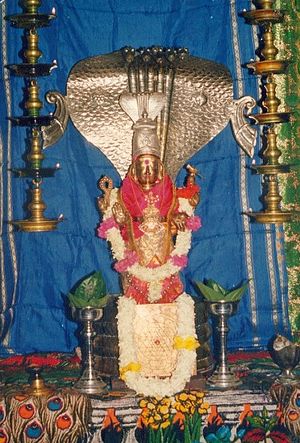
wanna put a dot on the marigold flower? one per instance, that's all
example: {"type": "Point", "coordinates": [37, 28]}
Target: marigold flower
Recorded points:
{"type": "Point", "coordinates": [165, 424]}
{"type": "Point", "coordinates": [150, 406]}
{"type": "Point", "coordinates": [203, 409]}
{"type": "Point", "coordinates": [164, 409]}
{"type": "Point", "coordinates": [190, 402]}
{"type": "Point", "coordinates": [143, 403]}
{"type": "Point", "coordinates": [156, 412]}
{"type": "Point", "coordinates": [182, 397]}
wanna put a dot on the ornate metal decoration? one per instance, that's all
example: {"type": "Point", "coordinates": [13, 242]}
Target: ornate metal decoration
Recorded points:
{"type": "Point", "coordinates": [90, 382]}
{"type": "Point", "coordinates": [58, 124]}
{"type": "Point", "coordinates": [286, 355]}
{"type": "Point", "coordinates": [198, 105]}
{"type": "Point", "coordinates": [267, 67]}
{"type": "Point", "coordinates": [223, 377]}
{"type": "Point", "coordinates": [30, 20]}
{"type": "Point", "coordinates": [244, 134]}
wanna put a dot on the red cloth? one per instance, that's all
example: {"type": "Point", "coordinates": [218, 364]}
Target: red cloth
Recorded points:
{"type": "Point", "coordinates": [134, 199]}
{"type": "Point", "coordinates": [188, 191]}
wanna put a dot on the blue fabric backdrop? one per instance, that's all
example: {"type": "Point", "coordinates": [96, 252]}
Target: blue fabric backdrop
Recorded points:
{"type": "Point", "coordinates": [38, 269]}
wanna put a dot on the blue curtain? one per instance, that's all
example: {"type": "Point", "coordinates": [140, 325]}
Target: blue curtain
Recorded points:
{"type": "Point", "coordinates": [38, 269]}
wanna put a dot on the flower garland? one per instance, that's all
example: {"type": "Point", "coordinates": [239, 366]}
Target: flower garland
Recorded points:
{"type": "Point", "coordinates": [128, 260]}
{"type": "Point", "coordinates": [185, 343]}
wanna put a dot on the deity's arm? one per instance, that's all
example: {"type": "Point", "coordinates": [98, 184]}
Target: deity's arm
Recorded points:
{"type": "Point", "coordinates": [178, 222]}
{"type": "Point", "coordinates": [105, 184]}
{"type": "Point", "coordinates": [188, 198]}
{"type": "Point", "coordinates": [191, 184]}
{"type": "Point", "coordinates": [195, 199]}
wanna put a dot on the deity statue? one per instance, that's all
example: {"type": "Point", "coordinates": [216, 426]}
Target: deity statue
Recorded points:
{"type": "Point", "coordinates": [149, 223]}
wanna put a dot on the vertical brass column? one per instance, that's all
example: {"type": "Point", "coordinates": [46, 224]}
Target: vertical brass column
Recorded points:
{"type": "Point", "coordinates": [268, 67]}
{"type": "Point", "coordinates": [30, 20]}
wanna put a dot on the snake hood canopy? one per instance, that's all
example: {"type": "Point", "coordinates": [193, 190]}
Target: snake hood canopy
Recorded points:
{"type": "Point", "coordinates": [198, 104]}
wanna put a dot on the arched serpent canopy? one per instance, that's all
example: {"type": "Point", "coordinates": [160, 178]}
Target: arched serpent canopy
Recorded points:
{"type": "Point", "coordinates": [198, 103]}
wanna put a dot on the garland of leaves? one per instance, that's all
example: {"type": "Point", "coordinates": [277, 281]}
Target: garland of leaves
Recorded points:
{"type": "Point", "coordinates": [287, 40]}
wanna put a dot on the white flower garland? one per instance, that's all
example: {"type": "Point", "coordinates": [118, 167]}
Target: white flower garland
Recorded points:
{"type": "Point", "coordinates": [155, 289]}
{"type": "Point", "coordinates": [182, 246]}
{"type": "Point", "coordinates": [117, 243]}
{"type": "Point", "coordinates": [186, 359]}
{"type": "Point", "coordinates": [185, 206]}
{"type": "Point", "coordinates": [183, 243]}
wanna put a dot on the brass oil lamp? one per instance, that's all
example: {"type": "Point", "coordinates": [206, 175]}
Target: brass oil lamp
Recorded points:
{"type": "Point", "coordinates": [30, 20]}
{"type": "Point", "coordinates": [265, 16]}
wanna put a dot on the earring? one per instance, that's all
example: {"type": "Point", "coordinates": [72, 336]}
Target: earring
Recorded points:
{"type": "Point", "coordinates": [160, 173]}
{"type": "Point", "coordinates": [132, 172]}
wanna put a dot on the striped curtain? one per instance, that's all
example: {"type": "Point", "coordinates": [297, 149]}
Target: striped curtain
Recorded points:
{"type": "Point", "coordinates": [38, 269]}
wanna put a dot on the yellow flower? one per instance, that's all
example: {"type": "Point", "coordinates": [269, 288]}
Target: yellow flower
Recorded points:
{"type": "Point", "coordinates": [190, 343]}
{"type": "Point", "coordinates": [132, 366]}
{"type": "Point", "coordinates": [182, 397]}
{"type": "Point", "coordinates": [203, 408]}
{"type": "Point", "coordinates": [190, 402]}
{"type": "Point", "coordinates": [165, 424]}
{"type": "Point", "coordinates": [164, 409]}
{"type": "Point", "coordinates": [183, 409]}
{"type": "Point", "coordinates": [143, 403]}
{"type": "Point", "coordinates": [166, 401]}
{"type": "Point", "coordinates": [150, 406]}
{"type": "Point", "coordinates": [155, 412]}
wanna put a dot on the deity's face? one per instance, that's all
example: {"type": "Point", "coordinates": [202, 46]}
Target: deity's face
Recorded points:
{"type": "Point", "coordinates": [147, 170]}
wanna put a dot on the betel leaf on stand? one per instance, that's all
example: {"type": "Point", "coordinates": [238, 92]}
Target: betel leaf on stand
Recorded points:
{"type": "Point", "coordinates": [214, 292]}
{"type": "Point", "coordinates": [90, 292]}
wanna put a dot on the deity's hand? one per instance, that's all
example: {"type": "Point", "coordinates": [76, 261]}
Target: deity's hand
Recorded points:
{"type": "Point", "coordinates": [102, 204]}
{"type": "Point", "coordinates": [191, 181]}
{"type": "Point", "coordinates": [119, 214]}
{"type": "Point", "coordinates": [178, 221]}
{"type": "Point", "coordinates": [193, 201]}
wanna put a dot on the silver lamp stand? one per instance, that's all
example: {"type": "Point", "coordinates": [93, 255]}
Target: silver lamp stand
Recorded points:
{"type": "Point", "coordinates": [90, 381]}
{"type": "Point", "coordinates": [222, 377]}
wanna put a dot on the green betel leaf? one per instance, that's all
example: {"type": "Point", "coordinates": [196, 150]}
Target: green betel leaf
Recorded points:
{"type": "Point", "coordinates": [91, 291]}
{"type": "Point", "coordinates": [77, 302]}
{"type": "Point", "coordinates": [215, 286]}
{"type": "Point", "coordinates": [96, 302]}
{"type": "Point", "coordinates": [92, 286]}
{"type": "Point", "coordinates": [236, 294]}
{"type": "Point", "coordinates": [209, 293]}
{"type": "Point", "coordinates": [214, 292]}
{"type": "Point", "coordinates": [100, 284]}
